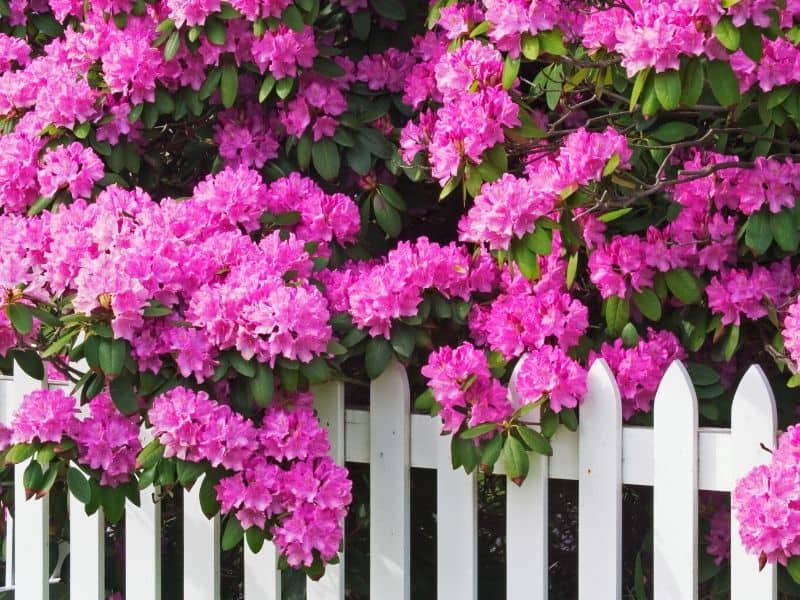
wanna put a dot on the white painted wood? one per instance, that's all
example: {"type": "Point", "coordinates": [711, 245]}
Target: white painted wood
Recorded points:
{"type": "Point", "coordinates": [87, 577]}
{"type": "Point", "coordinates": [527, 534]}
{"type": "Point", "coordinates": [32, 542]}
{"type": "Point", "coordinates": [87, 569]}
{"type": "Point", "coordinates": [675, 487]}
{"type": "Point", "coordinates": [390, 509]}
{"type": "Point", "coordinates": [456, 528]}
{"type": "Point", "coordinates": [753, 423]}
{"type": "Point", "coordinates": [329, 402]}
{"type": "Point", "coordinates": [262, 580]}
{"type": "Point", "coordinates": [201, 549]}
{"type": "Point", "coordinates": [600, 488]}
{"type": "Point", "coordinates": [143, 547]}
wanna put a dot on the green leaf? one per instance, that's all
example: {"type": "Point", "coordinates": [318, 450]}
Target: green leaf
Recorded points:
{"type": "Point", "coordinates": [60, 344]}
{"type": "Point", "coordinates": [387, 216]}
{"type": "Point", "coordinates": [613, 215]}
{"type": "Point", "coordinates": [255, 539]}
{"type": "Point", "coordinates": [668, 89]}
{"type": "Point", "coordinates": [611, 165]}
{"type": "Point", "coordinates": [727, 33]}
{"type": "Point", "coordinates": [674, 131]}
{"type": "Point", "coordinates": [229, 84]}
{"type": "Point", "coordinates": [540, 241]}
{"type": "Point", "coordinates": [478, 431]}
{"type": "Point", "coordinates": [569, 418]}
{"type": "Point", "coordinates": [510, 71]}
{"type": "Point", "coordinates": [111, 355]}
{"type": "Point", "coordinates": [530, 46]}
{"type": "Point", "coordinates": [464, 453]}
{"type": "Point", "coordinates": [491, 452]}
{"type": "Point", "coordinates": [216, 32]}
{"type": "Point", "coordinates": [208, 496]}
{"type": "Point", "coordinates": [648, 303]}
{"type": "Point", "coordinates": [316, 371]}
{"type": "Point", "coordinates": [79, 486]}
{"type": "Point", "coordinates": [293, 19]}
{"type": "Point", "coordinates": [245, 367]}
{"type": "Point", "coordinates": [329, 68]}
{"type": "Point", "coordinates": [392, 196]}
{"type": "Point", "coordinates": [758, 236]}
{"type": "Point", "coordinates": [449, 187]}
{"type": "Point", "coordinates": [572, 269]}
{"type": "Point", "coordinates": [30, 362]}
{"type": "Point", "coordinates": [692, 82]}
{"type": "Point", "coordinates": [210, 84]}
{"type": "Point", "coordinates": [188, 472]}
{"type": "Point", "coordinates": [516, 460]}
{"type": "Point", "coordinates": [403, 339]}
{"type": "Point", "coordinates": [723, 81]}
{"type": "Point", "coordinates": [752, 44]}
{"type": "Point", "coordinates": [378, 354]}
{"type": "Point", "coordinates": [172, 46]}
{"type": "Point", "coordinates": [683, 286]}
{"type": "Point", "coordinates": [262, 385]}
{"type": "Point", "coordinates": [325, 157]}
{"type": "Point", "coordinates": [552, 42]}
{"type": "Point", "coordinates": [731, 342]}
{"type": "Point", "coordinates": [32, 478]}
{"type": "Point", "coordinates": [638, 87]}
{"type": "Point", "coordinates": [425, 401]}
{"type": "Point", "coordinates": [21, 317]}
{"type": "Point", "coordinates": [549, 423]}
{"type": "Point", "coordinates": [793, 568]}
{"type": "Point", "coordinates": [617, 314]}
{"type": "Point", "coordinates": [374, 141]}
{"type": "Point", "coordinates": [535, 440]}
{"type": "Point", "coordinates": [233, 533]}
{"type": "Point", "coordinates": [389, 9]}
{"type": "Point", "coordinates": [123, 395]}
{"type": "Point", "coordinates": [266, 87]}
{"type": "Point", "coordinates": [362, 23]}
{"type": "Point", "coordinates": [784, 230]}
{"type": "Point", "coordinates": [150, 454]}
{"type": "Point", "coordinates": [19, 453]}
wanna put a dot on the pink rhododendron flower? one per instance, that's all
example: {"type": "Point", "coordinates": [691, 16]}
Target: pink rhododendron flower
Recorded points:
{"type": "Point", "coordinates": [44, 416]}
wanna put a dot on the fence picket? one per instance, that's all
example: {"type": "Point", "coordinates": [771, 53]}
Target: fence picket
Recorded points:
{"type": "Point", "coordinates": [143, 547]}
{"type": "Point", "coordinates": [87, 573]}
{"type": "Point", "coordinates": [456, 528]}
{"type": "Point", "coordinates": [389, 499]}
{"type": "Point", "coordinates": [675, 487]}
{"type": "Point", "coordinates": [262, 580]}
{"type": "Point", "coordinates": [753, 422]}
{"type": "Point", "coordinates": [527, 534]}
{"type": "Point", "coordinates": [31, 519]}
{"type": "Point", "coordinates": [329, 402]}
{"type": "Point", "coordinates": [675, 457]}
{"type": "Point", "coordinates": [201, 549]}
{"type": "Point", "coordinates": [600, 488]}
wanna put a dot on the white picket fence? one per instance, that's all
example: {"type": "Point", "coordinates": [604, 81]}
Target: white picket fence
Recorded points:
{"type": "Point", "coordinates": [675, 457]}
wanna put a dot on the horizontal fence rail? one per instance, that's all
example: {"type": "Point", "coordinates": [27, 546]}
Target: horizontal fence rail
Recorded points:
{"type": "Point", "coordinates": [675, 457]}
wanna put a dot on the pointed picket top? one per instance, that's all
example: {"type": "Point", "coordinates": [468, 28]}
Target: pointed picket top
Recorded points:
{"type": "Point", "coordinates": [675, 471]}
{"type": "Point", "coordinates": [390, 485]}
{"type": "Point", "coordinates": [600, 487]}
{"type": "Point", "coordinates": [513, 395]}
{"type": "Point", "coordinates": [753, 423]}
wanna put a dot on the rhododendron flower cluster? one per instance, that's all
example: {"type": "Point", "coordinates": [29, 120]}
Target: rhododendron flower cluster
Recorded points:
{"type": "Point", "coordinates": [281, 472]}
{"type": "Point", "coordinates": [766, 501]}
{"type": "Point", "coordinates": [106, 440]}
{"type": "Point", "coordinates": [639, 369]}
{"type": "Point", "coordinates": [208, 207]}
